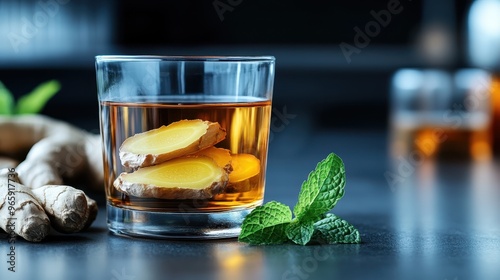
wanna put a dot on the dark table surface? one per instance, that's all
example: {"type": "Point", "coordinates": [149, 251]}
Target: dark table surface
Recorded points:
{"type": "Point", "coordinates": [440, 221]}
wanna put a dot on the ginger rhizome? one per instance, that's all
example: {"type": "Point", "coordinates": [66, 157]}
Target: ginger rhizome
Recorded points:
{"type": "Point", "coordinates": [221, 156]}
{"type": "Point", "coordinates": [20, 211]}
{"type": "Point", "coordinates": [167, 142]}
{"type": "Point", "coordinates": [196, 177]}
{"type": "Point", "coordinates": [244, 166]}
{"type": "Point", "coordinates": [45, 153]}
{"type": "Point", "coordinates": [180, 161]}
{"type": "Point", "coordinates": [31, 212]}
{"type": "Point", "coordinates": [68, 209]}
{"type": "Point", "coordinates": [51, 151]}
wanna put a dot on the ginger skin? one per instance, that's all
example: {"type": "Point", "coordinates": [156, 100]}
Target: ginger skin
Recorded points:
{"type": "Point", "coordinates": [50, 152]}
{"type": "Point", "coordinates": [93, 209]}
{"type": "Point", "coordinates": [20, 211]}
{"type": "Point", "coordinates": [65, 208]}
{"type": "Point", "coordinates": [56, 151]}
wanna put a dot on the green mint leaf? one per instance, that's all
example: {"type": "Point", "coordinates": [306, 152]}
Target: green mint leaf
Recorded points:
{"type": "Point", "coordinates": [300, 232]}
{"type": "Point", "coordinates": [322, 189]}
{"type": "Point", "coordinates": [6, 101]}
{"type": "Point", "coordinates": [333, 229]}
{"type": "Point", "coordinates": [266, 224]}
{"type": "Point", "coordinates": [34, 101]}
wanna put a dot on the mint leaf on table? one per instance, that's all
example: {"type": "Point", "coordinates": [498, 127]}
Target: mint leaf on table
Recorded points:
{"type": "Point", "coordinates": [272, 222]}
{"type": "Point", "coordinates": [266, 224]}
{"type": "Point", "coordinates": [300, 232]}
{"type": "Point", "coordinates": [333, 229]}
{"type": "Point", "coordinates": [322, 189]}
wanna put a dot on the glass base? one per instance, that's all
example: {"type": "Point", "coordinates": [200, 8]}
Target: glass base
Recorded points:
{"type": "Point", "coordinates": [213, 225]}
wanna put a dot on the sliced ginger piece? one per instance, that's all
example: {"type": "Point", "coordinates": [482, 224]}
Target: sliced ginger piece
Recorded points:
{"type": "Point", "coordinates": [221, 156]}
{"type": "Point", "coordinates": [244, 166]}
{"type": "Point", "coordinates": [181, 178]}
{"type": "Point", "coordinates": [167, 142]}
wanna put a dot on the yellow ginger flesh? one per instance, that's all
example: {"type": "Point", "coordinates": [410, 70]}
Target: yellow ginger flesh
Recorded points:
{"type": "Point", "coordinates": [181, 178]}
{"type": "Point", "coordinates": [167, 142]}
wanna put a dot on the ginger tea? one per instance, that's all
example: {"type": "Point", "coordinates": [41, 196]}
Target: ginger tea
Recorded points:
{"type": "Point", "coordinates": [442, 142]}
{"type": "Point", "coordinates": [495, 112]}
{"type": "Point", "coordinates": [247, 131]}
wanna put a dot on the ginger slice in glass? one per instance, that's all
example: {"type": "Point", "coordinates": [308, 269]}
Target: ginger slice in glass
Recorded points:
{"type": "Point", "coordinates": [167, 142]}
{"type": "Point", "coordinates": [191, 177]}
{"type": "Point", "coordinates": [244, 166]}
{"type": "Point", "coordinates": [221, 156]}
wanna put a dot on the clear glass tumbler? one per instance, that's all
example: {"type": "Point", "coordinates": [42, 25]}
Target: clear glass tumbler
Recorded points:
{"type": "Point", "coordinates": [189, 114]}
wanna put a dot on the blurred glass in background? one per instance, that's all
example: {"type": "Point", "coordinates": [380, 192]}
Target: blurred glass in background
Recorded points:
{"type": "Point", "coordinates": [440, 114]}
{"type": "Point", "coordinates": [483, 35]}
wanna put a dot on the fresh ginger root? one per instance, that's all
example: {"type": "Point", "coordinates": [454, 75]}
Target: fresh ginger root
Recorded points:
{"type": "Point", "coordinates": [51, 152]}
{"type": "Point", "coordinates": [33, 211]}
{"type": "Point", "coordinates": [20, 211]}
{"type": "Point", "coordinates": [68, 208]}
{"type": "Point", "coordinates": [181, 178]}
{"type": "Point", "coordinates": [167, 142]}
{"type": "Point", "coordinates": [93, 209]}
{"type": "Point", "coordinates": [55, 150]}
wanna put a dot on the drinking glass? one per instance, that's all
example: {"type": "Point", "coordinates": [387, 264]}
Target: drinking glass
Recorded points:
{"type": "Point", "coordinates": [439, 114]}
{"type": "Point", "coordinates": [141, 94]}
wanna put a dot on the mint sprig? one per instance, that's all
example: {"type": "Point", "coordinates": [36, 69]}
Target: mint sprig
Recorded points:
{"type": "Point", "coordinates": [272, 222]}
{"type": "Point", "coordinates": [322, 189]}
{"type": "Point", "coordinates": [333, 229]}
{"type": "Point", "coordinates": [266, 224]}
{"type": "Point", "coordinates": [300, 231]}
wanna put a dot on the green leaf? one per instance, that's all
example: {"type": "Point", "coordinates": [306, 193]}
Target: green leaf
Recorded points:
{"type": "Point", "coordinates": [272, 223]}
{"type": "Point", "coordinates": [300, 232]}
{"type": "Point", "coordinates": [266, 224]}
{"type": "Point", "coordinates": [322, 189]}
{"type": "Point", "coordinates": [6, 101]}
{"type": "Point", "coordinates": [333, 229]}
{"type": "Point", "coordinates": [34, 101]}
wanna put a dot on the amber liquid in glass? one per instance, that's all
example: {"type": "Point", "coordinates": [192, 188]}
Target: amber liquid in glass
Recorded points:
{"type": "Point", "coordinates": [247, 128]}
{"type": "Point", "coordinates": [444, 142]}
{"type": "Point", "coordinates": [495, 112]}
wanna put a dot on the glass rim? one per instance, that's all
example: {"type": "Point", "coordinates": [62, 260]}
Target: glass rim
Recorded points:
{"type": "Point", "coordinates": [180, 58]}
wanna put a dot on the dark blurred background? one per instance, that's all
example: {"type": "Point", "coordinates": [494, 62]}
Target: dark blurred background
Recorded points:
{"type": "Point", "coordinates": [334, 59]}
